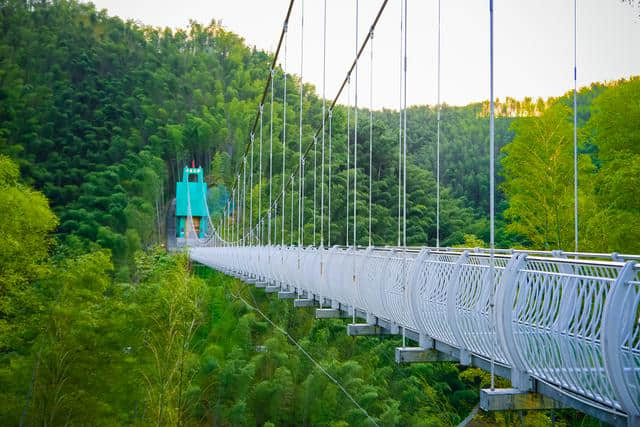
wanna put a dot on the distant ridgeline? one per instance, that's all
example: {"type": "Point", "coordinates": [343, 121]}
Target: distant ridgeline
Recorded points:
{"type": "Point", "coordinates": [191, 195]}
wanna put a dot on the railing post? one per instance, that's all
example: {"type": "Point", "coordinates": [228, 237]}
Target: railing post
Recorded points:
{"type": "Point", "coordinates": [413, 291]}
{"type": "Point", "coordinates": [505, 296]}
{"type": "Point", "coordinates": [618, 322]}
{"type": "Point", "coordinates": [452, 290]}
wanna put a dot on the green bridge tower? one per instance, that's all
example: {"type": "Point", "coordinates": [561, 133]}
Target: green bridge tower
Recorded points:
{"type": "Point", "coordinates": [192, 190]}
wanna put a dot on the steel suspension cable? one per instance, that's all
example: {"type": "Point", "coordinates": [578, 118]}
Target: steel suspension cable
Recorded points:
{"type": "Point", "coordinates": [404, 131]}
{"type": "Point", "coordinates": [400, 128]}
{"type": "Point", "coordinates": [273, 66]}
{"type": "Point", "coordinates": [302, 201]}
{"type": "Point", "coordinates": [324, 107]}
{"type": "Point", "coordinates": [315, 166]}
{"type": "Point", "coordinates": [348, 159]}
{"type": "Point", "coordinates": [301, 177]}
{"type": "Point", "coordinates": [347, 77]}
{"type": "Point", "coordinates": [236, 213]}
{"type": "Point", "coordinates": [260, 180]}
{"type": "Point", "coordinates": [251, 189]}
{"type": "Point", "coordinates": [291, 234]}
{"type": "Point", "coordinates": [284, 131]}
{"type": "Point", "coordinates": [492, 185]}
{"type": "Point", "coordinates": [355, 144]}
{"type": "Point", "coordinates": [329, 195]}
{"type": "Point", "coordinates": [575, 123]}
{"type": "Point", "coordinates": [275, 223]}
{"type": "Point", "coordinates": [270, 159]}
{"type": "Point", "coordinates": [370, 131]}
{"type": "Point", "coordinates": [244, 199]}
{"type": "Point", "coordinates": [438, 140]}
{"type": "Point", "coordinates": [404, 165]}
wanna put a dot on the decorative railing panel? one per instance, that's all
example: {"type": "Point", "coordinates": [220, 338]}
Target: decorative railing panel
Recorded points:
{"type": "Point", "coordinates": [572, 323]}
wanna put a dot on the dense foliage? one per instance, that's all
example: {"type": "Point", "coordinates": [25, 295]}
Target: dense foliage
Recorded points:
{"type": "Point", "coordinates": [98, 326]}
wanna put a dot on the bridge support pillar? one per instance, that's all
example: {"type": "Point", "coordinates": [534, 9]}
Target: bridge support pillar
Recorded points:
{"type": "Point", "coordinates": [330, 313]}
{"type": "Point", "coordinates": [513, 399]}
{"type": "Point", "coordinates": [286, 295]}
{"type": "Point", "coordinates": [272, 289]}
{"type": "Point", "coordinates": [361, 329]}
{"type": "Point", "coordinates": [303, 302]}
{"type": "Point", "coordinates": [421, 355]}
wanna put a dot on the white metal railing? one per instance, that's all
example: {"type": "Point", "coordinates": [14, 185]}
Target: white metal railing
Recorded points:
{"type": "Point", "coordinates": [573, 323]}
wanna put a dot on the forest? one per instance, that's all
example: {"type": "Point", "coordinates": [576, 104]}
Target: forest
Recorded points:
{"type": "Point", "coordinates": [99, 325]}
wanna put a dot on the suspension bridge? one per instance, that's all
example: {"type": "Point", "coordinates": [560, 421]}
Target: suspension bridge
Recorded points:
{"type": "Point", "coordinates": [563, 327]}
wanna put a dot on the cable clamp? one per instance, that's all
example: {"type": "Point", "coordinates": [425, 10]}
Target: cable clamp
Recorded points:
{"type": "Point", "coordinates": [285, 27]}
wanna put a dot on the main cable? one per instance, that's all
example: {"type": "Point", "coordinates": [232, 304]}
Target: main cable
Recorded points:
{"type": "Point", "coordinates": [492, 182]}
{"type": "Point", "coordinates": [270, 77]}
{"type": "Point", "coordinates": [349, 71]}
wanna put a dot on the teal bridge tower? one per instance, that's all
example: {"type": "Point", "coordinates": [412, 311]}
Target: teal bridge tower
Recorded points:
{"type": "Point", "coordinates": [191, 192]}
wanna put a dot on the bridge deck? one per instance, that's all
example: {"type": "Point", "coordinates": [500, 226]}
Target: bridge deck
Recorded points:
{"type": "Point", "coordinates": [567, 328]}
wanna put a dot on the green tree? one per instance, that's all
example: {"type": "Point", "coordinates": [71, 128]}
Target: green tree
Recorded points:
{"type": "Point", "coordinates": [538, 172]}
{"type": "Point", "coordinates": [613, 126]}
{"type": "Point", "coordinates": [25, 225]}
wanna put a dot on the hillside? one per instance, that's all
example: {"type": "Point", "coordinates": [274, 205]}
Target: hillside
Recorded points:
{"type": "Point", "coordinates": [99, 326]}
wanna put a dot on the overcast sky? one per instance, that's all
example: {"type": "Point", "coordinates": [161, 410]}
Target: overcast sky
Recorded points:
{"type": "Point", "coordinates": [533, 42]}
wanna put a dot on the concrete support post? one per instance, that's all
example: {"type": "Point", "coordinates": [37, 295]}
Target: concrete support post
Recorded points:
{"type": "Point", "coordinates": [331, 313]}
{"type": "Point", "coordinates": [513, 399]}
{"type": "Point", "coordinates": [303, 302]}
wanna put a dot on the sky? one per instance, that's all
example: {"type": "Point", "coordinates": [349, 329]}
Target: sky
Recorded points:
{"type": "Point", "coordinates": [533, 43]}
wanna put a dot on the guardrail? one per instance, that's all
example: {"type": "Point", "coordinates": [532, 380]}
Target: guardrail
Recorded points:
{"type": "Point", "coordinates": [571, 323]}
